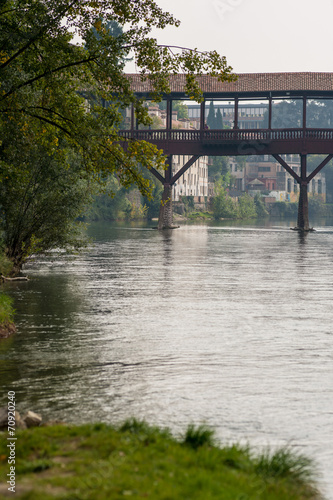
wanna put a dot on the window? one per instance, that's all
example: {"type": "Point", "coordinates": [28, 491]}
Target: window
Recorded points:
{"type": "Point", "coordinates": [264, 169]}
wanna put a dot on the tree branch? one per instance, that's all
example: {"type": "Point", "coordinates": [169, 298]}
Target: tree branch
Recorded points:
{"type": "Point", "coordinates": [37, 36]}
{"type": "Point", "coordinates": [46, 73]}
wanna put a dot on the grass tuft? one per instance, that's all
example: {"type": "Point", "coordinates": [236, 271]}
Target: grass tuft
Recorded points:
{"type": "Point", "coordinates": [285, 463]}
{"type": "Point", "coordinates": [199, 436]}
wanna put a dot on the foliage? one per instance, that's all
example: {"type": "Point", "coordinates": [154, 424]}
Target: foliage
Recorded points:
{"type": "Point", "coordinates": [328, 171]}
{"type": "Point", "coordinates": [48, 80]}
{"type": "Point", "coordinates": [218, 119]}
{"type": "Point", "coordinates": [241, 161]}
{"type": "Point", "coordinates": [198, 436]}
{"type": "Point", "coordinates": [288, 113]}
{"type": "Point", "coordinates": [223, 205]}
{"type": "Point", "coordinates": [247, 207]}
{"type": "Point", "coordinates": [211, 118]}
{"type": "Point", "coordinates": [285, 209]}
{"type": "Point", "coordinates": [42, 194]}
{"type": "Point", "coordinates": [284, 463]}
{"type": "Point", "coordinates": [218, 166]}
{"type": "Point", "coordinates": [261, 210]}
{"type": "Point", "coordinates": [317, 207]}
{"type": "Point", "coordinates": [153, 202]}
{"type": "Point", "coordinates": [188, 202]}
{"type": "Point", "coordinates": [181, 108]}
{"type": "Point", "coordinates": [110, 203]}
{"type": "Point", "coordinates": [6, 265]}
{"type": "Point", "coordinates": [6, 309]}
{"type": "Point", "coordinates": [137, 460]}
{"type": "Point", "coordinates": [64, 93]}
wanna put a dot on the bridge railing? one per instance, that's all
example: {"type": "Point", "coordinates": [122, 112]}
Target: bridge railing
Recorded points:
{"type": "Point", "coordinates": [227, 135]}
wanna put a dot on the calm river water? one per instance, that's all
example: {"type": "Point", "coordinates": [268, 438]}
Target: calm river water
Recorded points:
{"type": "Point", "coordinates": [228, 325]}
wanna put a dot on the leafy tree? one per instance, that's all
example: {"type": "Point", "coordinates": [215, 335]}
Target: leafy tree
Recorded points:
{"type": "Point", "coordinates": [222, 204]}
{"type": "Point", "coordinates": [42, 70]}
{"type": "Point", "coordinates": [218, 166]}
{"type": "Point", "coordinates": [247, 207]}
{"type": "Point", "coordinates": [261, 210]}
{"type": "Point", "coordinates": [153, 202]}
{"type": "Point", "coordinates": [181, 108]}
{"type": "Point", "coordinates": [62, 101]}
{"type": "Point", "coordinates": [108, 207]}
{"type": "Point", "coordinates": [40, 200]}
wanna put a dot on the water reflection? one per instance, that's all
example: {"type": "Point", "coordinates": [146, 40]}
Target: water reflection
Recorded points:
{"type": "Point", "coordinates": [227, 324]}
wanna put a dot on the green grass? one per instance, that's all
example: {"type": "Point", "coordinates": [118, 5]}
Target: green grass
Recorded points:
{"type": "Point", "coordinates": [98, 461]}
{"type": "Point", "coordinates": [199, 215]}
{"type": "Point", "coordinates": [6, 309]}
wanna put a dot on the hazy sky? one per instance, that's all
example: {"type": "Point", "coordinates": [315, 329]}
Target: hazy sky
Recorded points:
{"type": "Point", "coordinates": [256, 35]}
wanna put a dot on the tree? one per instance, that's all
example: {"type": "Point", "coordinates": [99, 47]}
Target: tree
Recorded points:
{"type": "Point", "coordinates": [218, 119]}
{"type": "Point", "coordinates": [223, 205]}
{"type": "Point", "coordinates": [211, 119]}
{"type": "Point", "coordinates": [218, 166]}
{"type": "Point", "coordinates": [181, 108]}
{"type": "Point", "coordinates": [261, 209]}
{"type": "Point", "coordinates": [61, 61]}
{"type": "Point", "coordinates": [247, 207]}
{"type": "Point", "coordinates": [40, 199]}
{"type": "Point", "coordinates": [42, 70]}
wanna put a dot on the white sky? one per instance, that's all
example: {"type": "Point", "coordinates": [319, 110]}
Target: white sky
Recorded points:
{"type": "Point", "coordinates": [256, 36]}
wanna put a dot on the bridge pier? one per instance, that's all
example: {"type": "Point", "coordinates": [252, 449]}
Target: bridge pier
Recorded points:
{"type": "Point", "coordinates": [165, 218]}
{"type": "Point", "coordinates": [303, 209]}
{"type": "Point", "coordinates": [303, 203]}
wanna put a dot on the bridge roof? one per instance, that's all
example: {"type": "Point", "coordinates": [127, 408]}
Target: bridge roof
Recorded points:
{"type": "Point", "coordinates": [249, 84]}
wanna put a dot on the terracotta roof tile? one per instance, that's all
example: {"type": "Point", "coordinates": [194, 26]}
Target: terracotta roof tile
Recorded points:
{"type": "Point", "coordinates": [248, 82]}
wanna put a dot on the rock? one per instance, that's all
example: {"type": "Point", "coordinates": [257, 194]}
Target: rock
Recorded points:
{"type": "Point", "coordinates": [19, 423]}
{"type": "Point", "coordinates": [32, 419]}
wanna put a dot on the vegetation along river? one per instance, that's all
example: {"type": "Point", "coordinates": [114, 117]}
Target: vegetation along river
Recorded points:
{"type": "Point", "coordinates": [224, 324]}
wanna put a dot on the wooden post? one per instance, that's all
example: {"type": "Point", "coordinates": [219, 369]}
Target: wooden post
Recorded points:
{"type": "Point", "coordinates": [236, 114]}
{"type": "Point", "coordinates": [169, 114]}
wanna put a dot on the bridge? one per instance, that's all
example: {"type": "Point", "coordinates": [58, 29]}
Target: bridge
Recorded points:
{"type": "Point", "coordinates": [310, 100]}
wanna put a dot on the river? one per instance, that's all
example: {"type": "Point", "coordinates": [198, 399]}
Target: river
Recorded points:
{"type": "Point", "coordinates": [225, 324]}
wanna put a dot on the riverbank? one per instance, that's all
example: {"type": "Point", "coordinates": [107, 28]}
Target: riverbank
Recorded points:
{"type": "Point", "coordinates": [138, 461]}
{"type": "Point", "coordinates": [7, 326]}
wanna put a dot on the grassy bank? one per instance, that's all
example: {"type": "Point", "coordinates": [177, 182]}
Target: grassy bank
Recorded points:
{"type": "Point", "coordinates": [101, 462]}
{"type": "Point", "coordinates": [6, 315]}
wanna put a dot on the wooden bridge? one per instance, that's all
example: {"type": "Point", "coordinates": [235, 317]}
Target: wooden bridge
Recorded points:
{"type": "Point", "coordinates": [304, 89]}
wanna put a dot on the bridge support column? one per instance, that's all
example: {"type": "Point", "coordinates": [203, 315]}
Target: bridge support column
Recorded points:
{"type": "Point", "coordinates": [303, 209]}
{"type": "Point", "coordinates": [303, 204]}
{"type": "Point", "coordinates": [165, 218]}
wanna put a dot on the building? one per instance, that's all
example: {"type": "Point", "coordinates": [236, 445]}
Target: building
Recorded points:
{"type": "Point", "coordinates": [264, 175]}
{"type": "Point", "coordinates": [194, 182]}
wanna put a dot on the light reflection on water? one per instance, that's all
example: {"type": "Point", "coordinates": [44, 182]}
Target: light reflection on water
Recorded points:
{"type": "Point", "coordinates": [227, 325]}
